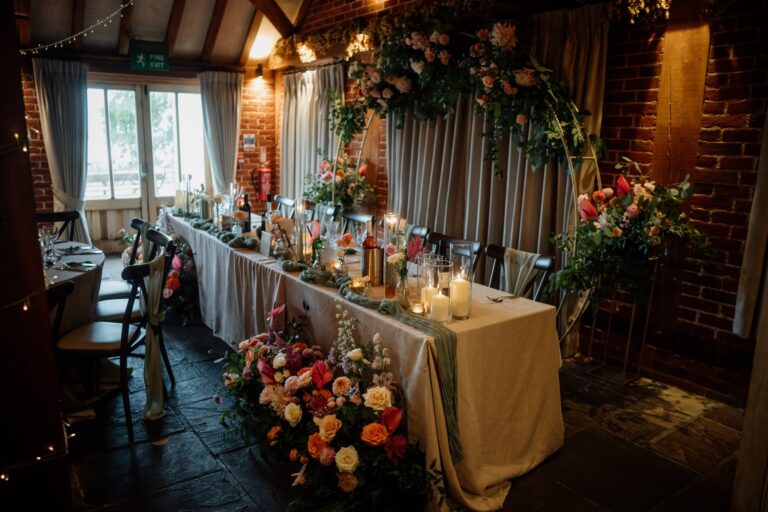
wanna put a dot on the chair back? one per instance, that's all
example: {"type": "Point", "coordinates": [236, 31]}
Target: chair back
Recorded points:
{"type": "Point", "coordinates": [544, 264]}
{"type": "Point", "coordinates": [285, 206]}
{"type": "Point", "coordinates": [355, 222]}
{"type": "Point", "coordinates": [441, 244]}
{"type": "Point", "coordinates": [67, 218]}
{"type": "Point", "coordinates": [139, 225]}
{"type": "Point", "coordinates": [57, 300]}
{"type": "Point", "coordinates": [422, 231]}
{"type": "Point", "coordinates": [135, 274]}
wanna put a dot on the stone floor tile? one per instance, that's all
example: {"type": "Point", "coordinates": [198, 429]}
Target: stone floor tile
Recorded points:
{"type": "Point", "coordinates": [258, 479]}
{"type": "Point", "coordinates": [727, 415]}
{"type": "Point", "coordinates": [537, 492]}
{"type": "Point", "coordinates": [700, 445]}
{"type": "Point", "coordinates": [708, 493]}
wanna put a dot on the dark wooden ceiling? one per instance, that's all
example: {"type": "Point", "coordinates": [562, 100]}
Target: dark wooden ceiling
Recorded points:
{"type": "Point", "coordinates": [199, 34]}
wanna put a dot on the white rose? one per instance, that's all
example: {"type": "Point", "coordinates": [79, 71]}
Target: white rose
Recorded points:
{"type": "Point", "coordinates": [279, 377]}
{"type": "Point", "coordinates": [292, 414]}
{"type": "Point", "coordinates": [347, 459]}
{"type": "Point", "coordinates": [305, 379]}
{"type": "Point", "coordinates": [378, 398]}
{"type": "Point", "coordinates": [355, 355]}
{"type": "Point", "coordinates": [278, 361]}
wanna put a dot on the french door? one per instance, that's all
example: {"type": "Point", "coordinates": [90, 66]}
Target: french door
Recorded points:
{"type": "Point", "coordinates": [143, 143]}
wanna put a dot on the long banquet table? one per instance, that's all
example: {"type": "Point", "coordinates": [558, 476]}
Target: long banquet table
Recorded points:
{"type": "Point", "coordinates": [507, 361]}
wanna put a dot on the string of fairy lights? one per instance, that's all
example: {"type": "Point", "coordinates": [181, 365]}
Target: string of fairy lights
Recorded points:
{"type": "Point", "coordinates": [100, 23]}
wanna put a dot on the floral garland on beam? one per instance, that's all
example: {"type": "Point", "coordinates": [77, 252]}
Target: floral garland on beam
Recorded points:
{"type": "Point", "coordinates": [428, 66]}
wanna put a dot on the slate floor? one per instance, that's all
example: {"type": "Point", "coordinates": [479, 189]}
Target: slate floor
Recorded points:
{"type": "Point", "coordinates": [643, 446]}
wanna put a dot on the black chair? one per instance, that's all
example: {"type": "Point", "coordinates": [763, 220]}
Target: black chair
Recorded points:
{"type": "Point", "coordinates": [544, 264]}
{"type": "Point", "coordinates": [109, 289]}
{"type": "Point", "coordinates": [108, 339]}
{"type": "Point", "coordinates": [355, 222]}
{"type": "Point", "coordinates": [285, 206]}
{"type": "Point", "coordinates": [68, 220]}
{"type": "Point", "coordinates": [421, 231]}
{"type": "Point", "coordinates": [441, 244]}
{"type": "Point", "coordinates": [57, 300]}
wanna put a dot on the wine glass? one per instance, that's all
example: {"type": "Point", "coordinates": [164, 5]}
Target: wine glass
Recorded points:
{"type": "Point", "coordinates": [47, 236]}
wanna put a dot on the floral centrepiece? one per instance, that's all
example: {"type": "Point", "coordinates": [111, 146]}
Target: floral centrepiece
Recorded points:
{"type": "Point", "coordinates": [343, 184]}
{"type": "Point", "coordinates": [181, 289]}
{"type": "Point", "coordinates": [619, 231]}
{"type": "Point", "coordinates": [336, 421]}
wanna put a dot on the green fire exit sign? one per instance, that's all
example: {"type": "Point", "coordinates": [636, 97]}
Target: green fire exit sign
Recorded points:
{"type": "Point", "coordinates": [149, 61]}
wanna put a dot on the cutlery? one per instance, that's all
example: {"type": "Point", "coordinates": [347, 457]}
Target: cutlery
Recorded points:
{"type": "Point", "coordinates": [502, 297]}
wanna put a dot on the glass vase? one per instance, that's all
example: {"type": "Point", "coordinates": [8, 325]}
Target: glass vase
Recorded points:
{"type": "Point", "coordinates": [461, 279]}
{"type": "Point", "coordinates": [402, 291]}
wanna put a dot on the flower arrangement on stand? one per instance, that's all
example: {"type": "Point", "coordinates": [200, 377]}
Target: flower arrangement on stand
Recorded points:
{"type": "Point", "coordinates": [343, 184]}
{"type": "Point", "coordinates": [337, 422]}
{"type": "Point", "coordinates": [181, 290]}
{"type": "Point", "coordinates": [620, 231]}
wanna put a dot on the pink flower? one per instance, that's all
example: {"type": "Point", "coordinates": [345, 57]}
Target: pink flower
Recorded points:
{"type": "Point", "coordinates": [525, 77]}
{"type": "Point", "coordinates": [363, 170]}
{"type": "Point", "coordinates": [266, 372]}
{"type": "Point", "coordinates": [396, 448]}
{"type": "Point", "coordinates": [587, 210]}
{"type": "Point", "coordinates": [617, 231]}
{"type": "Point", "coordinates": [444, 57]}
{"type": "Point", "coordinates": [414, 247]}
{"type": "Point", "coordinates": [504, 36]}
{"type": "Point", "coordinates": [482, 34]}
{"type": "Point", "coordinates": [488, 81]}
{"type": "Point", "coordinates": [482, 100]}
{"type": "Point", "coordinates": [247, 374]}
{"type": "Point", "coordinates": [417, 66]}
{"type": "Point", "coordinates": [429, 54]}
{"type": "Point", "coordinates": [321, 374]}
{"type": "Point", "coordinates": [176, 263]}
{"type": "Point", "coordinates": [327, 456]}
{"type": "Point", "coordinates": [632, 211]}
{"type": "Point", "coordinates": [443, 39]}
{"type": "Point", "coordinates": [189, 265]}
{"type": "Point", "coordinates": [608, 192]}
{"type": "Point", "coordinates": [390, 249]}
{"type": "Point", "coordinates": [622, 187]}
{"type": "Point", "coordinates": [167, 293]}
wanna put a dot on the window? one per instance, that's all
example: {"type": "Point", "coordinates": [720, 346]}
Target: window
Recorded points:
{"type": "Point", "coordinates": [113, 145]}
{"type": "Point", "coordinates": [122, 161]}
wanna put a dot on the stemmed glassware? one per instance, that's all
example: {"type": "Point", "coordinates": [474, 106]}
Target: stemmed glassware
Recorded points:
{"type": "Point", "coordinates": [47, 237]}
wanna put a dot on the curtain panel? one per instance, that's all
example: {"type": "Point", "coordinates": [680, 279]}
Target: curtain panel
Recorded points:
{"type": "Point", "coordinates": [62, 97]}
{"type": "Point", "coordinates": [306, 134]}
{"type": "Point", "coordinates": [221, 94]}
{"type": "Point", "coordinates": [437, 176]}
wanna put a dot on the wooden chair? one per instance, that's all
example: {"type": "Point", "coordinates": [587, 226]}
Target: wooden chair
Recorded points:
{"type": "Point", "coordinates": [441, 244]}
{"type": "Point", "coordinates": [285, 206]}
{"type": "Point", "coordinates": [57, 300]}
{"type": "Point", "coordinates": [109, 289]}
{"type": "Point", "coordinates": [68, 220]}
{"type": "Point", "coordinates": [111, 310]}
{"type": "Point", "coordinates": [544, 264]}
{"type": "Point", "coordinates": [108, 339]}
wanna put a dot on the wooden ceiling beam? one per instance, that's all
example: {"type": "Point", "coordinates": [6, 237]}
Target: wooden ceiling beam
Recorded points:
{"type": "Point", "coordinates": [124, 41]}
{"type": "Point", "coordinates": [213, 30]}
{"type": "Point", "coordinates": [174, 22]}
{"type": "Point", "coordinates": [22, 14]}
{"type": "Point", "coordinates": [78, 22]}
{"type": "Point", "coordinates": [303, 10]}
{"type": "Point", "coordinates": [258, 16]}
{"type": "Point", "coordinates": [275, 14]}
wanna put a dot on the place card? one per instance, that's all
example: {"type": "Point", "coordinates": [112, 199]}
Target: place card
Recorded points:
{"type": "Point", "coordinates": [266, 243]}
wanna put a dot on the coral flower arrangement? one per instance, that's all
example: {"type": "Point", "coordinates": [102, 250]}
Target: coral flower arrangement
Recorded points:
{"type": "Point", "coordinates": [336, 421]}
{"type": "Point", "coordinates": [619, 233]}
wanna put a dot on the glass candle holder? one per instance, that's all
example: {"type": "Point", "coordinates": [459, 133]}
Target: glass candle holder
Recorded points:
{"type": "Point", "coordinates": [392, 244]}
{"type": "Point", "coordinates": [426, 279]}
{"type": "Point", "coordinates": [461, 279]}
{"type": "Point", "coordinates": [439, 290]}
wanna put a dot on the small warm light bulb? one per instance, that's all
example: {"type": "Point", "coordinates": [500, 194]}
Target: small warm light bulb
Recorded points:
{"type": "Point", "coordinates": [25, 306]}
{"type": "Point", "coordinates": [50, 447]}
{"type": "Point", "coordinates": [306, 54]}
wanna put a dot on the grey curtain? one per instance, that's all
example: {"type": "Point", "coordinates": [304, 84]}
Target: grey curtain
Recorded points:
{"type": "Point", "coordinates": [437, 176]}
{"type": "Point", "coordinates": [306, 129]}
{"type": "Point", "coordinates": [62, 96]}
{"type": "Point", "coordinates": [221, 94]}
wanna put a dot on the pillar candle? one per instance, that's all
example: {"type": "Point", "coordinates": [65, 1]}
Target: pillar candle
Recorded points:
{"type": "Point", "coordinates": [426, 295]}
{"type": "Point", "coordinates": [460, 297]}
{"type": "Point", "coordinates": [180, 199]}
{"type": "Point", "coordinates": [440, 308]}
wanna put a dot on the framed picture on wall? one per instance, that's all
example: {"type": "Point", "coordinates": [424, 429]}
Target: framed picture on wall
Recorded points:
{"type": "Point", "coordinates": [249, 142]}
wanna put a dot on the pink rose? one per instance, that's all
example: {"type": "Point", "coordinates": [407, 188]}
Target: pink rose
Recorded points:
{"type": "Point", "coordinates": [327, 456]}
{"type": "Point", "coordinates": [443, 39]}
{"type": "Point", "coordinates": [488, 81]}
{"type": "Point", "coordinates": [390, 249]}
{"type": "Point", "coordinates": [632, 211]}
{"type": "Point", "coordinates": [176, 263]}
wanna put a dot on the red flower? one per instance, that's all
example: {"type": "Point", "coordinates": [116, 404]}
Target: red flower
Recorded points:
{"type": "Point", "coordinates": [414, 247]}
{"type": "Point", "coordinates": [363, 170]}
{"type": "Point", "coordinates": [390, 418]}
{"type": "Point", "coordinates": [321, 374]}
{"type": "Point", "coordinates": [598, 196]}
{"type": "Point", "coordinates": [622, 186]}
{"type": "Point", "coordinates": [396, 447]}
{"type": "Point", "coordinates": [266, 372]}
{"type": "Point", "coordinates": [587, 210]}
{"type": "Point", "coordinates": [172, 283]}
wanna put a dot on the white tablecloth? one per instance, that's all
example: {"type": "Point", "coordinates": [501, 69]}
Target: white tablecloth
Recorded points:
{"type": "Point", "coordinates": [507, 364]}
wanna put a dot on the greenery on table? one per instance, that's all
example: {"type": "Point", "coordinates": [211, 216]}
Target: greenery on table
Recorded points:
{"type": "Point", "coordinates": [336, 423]}
{"type": "Point", "coordinates": [621, 232]}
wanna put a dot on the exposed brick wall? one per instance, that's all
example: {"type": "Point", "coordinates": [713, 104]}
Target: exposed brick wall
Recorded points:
{"type": "Point", "coordinates": [695, 348]}
{"type": "Point", "coordinates": [38, 161]}
{"type": "Point", "coordinates": [258, 117]}
{"type": "Point", "coordinates": [324, 14]}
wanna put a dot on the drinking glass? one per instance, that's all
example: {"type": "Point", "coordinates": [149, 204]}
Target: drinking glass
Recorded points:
{"type": "Point", "coordinates": [461, 278]}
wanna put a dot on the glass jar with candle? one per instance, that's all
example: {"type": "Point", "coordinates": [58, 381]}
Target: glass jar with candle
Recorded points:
{"type": "Point", "coordinates": [461, 279]}
{"type": "Point", "coordinates": [426, 279]}
{"type": "Point", "coordinates": [438, 304]}
{"type": "Point", "coordinates": [391, 245]}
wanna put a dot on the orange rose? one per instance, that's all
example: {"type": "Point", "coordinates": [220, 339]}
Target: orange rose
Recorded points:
{"type": "Point", "coordinates": [374, 434]}
{"type": "Point", "coordinates": [315, 445]}
{"type": "Point", "coordinates": [294, 455]}
{"type": "Point", "coordinates": [274, 432]}
{"type": "Point", "coordinates": [329, 425]}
